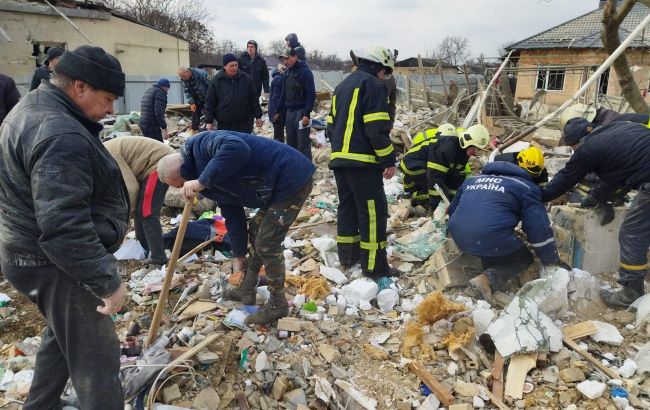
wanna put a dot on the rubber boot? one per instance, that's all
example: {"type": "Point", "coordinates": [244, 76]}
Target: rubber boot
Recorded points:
{"type": "Point", "coordinates": [276, 308]}
{"type": "Point", "coordinates": [245, 292]}
{"type": "Point", "coordinates": [623, 298]}
{"type": "Point", "coordinates": [480, 287]}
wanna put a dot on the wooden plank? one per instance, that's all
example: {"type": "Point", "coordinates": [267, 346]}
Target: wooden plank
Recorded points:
{"type": "Point", "coordinates": [196, 308]}
{"type": "Point", "coordinates": [432, 383]}
{"type": "Point", "coordinates": [196, 249]}
{"type": "Point", "coordinates": [609, 372]}
{"type": "Point", "coordinates": [444, 86]}
{"type": "Point", "coordinates": [518, 368]}
{"type": "Point", "coordinates": [409, 97]}
{"type": "Point", "coordinates": [497, 376]}
{"type": "Point", "coordinates": [578, 330]}
{"type": "Point", "coordinates": [494, 399]}
{"type": "Point", "coordinates": [424, 83]}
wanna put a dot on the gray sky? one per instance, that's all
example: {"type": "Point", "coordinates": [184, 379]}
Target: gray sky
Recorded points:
{"type": "Point", "coordinates": [411, 26]}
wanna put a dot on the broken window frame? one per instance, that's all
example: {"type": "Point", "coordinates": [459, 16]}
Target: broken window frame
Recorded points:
{"type": "Point", "coordinates": [42, 47]}
{"type": "Point", "coordinates": [550, 77]}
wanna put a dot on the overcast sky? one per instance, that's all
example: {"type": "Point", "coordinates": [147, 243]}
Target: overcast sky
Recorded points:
{"type": "Point", "coordinates": [411, 26]}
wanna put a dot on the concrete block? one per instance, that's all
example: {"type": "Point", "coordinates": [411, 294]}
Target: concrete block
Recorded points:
{"type": "Point", "coordinates": [447, 269]}
{"type": "Point", "coordinates": [582, 242]}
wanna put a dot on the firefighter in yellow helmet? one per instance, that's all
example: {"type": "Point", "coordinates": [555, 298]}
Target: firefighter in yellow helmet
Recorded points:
{"type": "Point", "coordinates": [358, 127]}
{"type": "Point", "coordinates": [532, 160]}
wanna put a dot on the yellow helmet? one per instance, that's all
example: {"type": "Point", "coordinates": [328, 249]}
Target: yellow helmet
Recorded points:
{"type": "Point", "coordinates": [532, 160]}
{"type": "Point", "coordinates": [447, 130]}
{"type": "Point", "coordinates": [587, 112]}
{"type": "Point", "coordinates": [476, 135]}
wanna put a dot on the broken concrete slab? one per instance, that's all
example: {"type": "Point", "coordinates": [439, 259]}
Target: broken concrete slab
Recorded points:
{"type": "Point", "coordinates": [207, 399]}
{"type": "Point", "coordinates": [607, 333]}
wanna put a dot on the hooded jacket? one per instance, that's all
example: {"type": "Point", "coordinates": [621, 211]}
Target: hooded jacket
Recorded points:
{"type": "Point", "coordinates": [152, 108]}
{"type": "Point", "coordinates": [231, 99]}
{"type": "Point", "coordinates": [62, 197]}
{"type": "Point", "coordinates": [241, 170]}
{"type": "Point", "coordinates": [255, 67]}
{"type": "Point", "coordinates": [487, 209]}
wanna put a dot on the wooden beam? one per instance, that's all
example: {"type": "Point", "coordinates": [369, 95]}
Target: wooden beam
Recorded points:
{"type": "Point", "coordinates": [497, 376]}
{"type": "Point", "coordinates": [424, 80]}
{"type": "Point", "coordinates": [578, 330]}
{"type": "Point", "coordinates": [432, 383]}
{"type": "Point", "coordinates": [196, 249]}
{"type": "Point", "coordinates": [609, 372]}
{"type": "Point", "coordinates": [518, 368]}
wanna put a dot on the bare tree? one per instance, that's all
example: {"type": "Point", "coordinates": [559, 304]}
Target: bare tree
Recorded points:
{"type": "Point", "coordinates": [185, 18]}
{"type": "Point", "coordinates": [501, 51]}
{"type": "Point", "coordinates": [612, 19]}
{"type": "Point", "coordinates": [453, 50]}
{"type": "Point", "coordinates": [225, 46]}
{"type": "Point", "coordinates": [276, 47]}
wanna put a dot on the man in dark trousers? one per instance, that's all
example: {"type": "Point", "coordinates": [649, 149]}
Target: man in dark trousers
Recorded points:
{"type": "Point", "coordinates": [195, 84]}
{"type": "Point", "coordinates": [275, 116]}
{"type": "Point", "coordinates": [253, 64]}
{"type": "Point", "coordinates": [45, 71]}
{"type": "Point", "coordinates": [482, 221]}
{"type": "Point", "coordinates": [358, 127]}
{"type": "Point", "coordinates": [9, 95]}
{"type": "Point", "coordinates": [619, 153]}
{"type": "Point", "coordinates": [65, 211]}
{"type": "Point", "coordinates": [297, 101]}
{"type": "Point", "coordinates": [232, 100]}
{"type": "Point", "coordinates": [152, 111]}
{"type": "Point", "coordinates": [137, 158]}
{"type": "Point", "coordinates": [241, 170]}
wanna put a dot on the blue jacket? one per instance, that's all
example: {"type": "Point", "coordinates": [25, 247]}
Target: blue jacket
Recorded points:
{"type": "Point", "coordinates": [241, 170]}
{"type": "Point", "coordinates": [275, 95]}
{"type": "Point", "coordinates": [299, 89]}
{"type": "Point", "coordinates": [487, 208]}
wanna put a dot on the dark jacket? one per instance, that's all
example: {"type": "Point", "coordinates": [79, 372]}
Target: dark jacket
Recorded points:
{"type": "Point", "coordinates": [62, 196]}
{"type": "Point", "coordinates": [487, 209]}
{"type": "Point", "coordinates": [619, 153]}
{"type": "Point", "coordinates": [41, 73]}
{"type": "Point", "coordinates": [257, 69]}
{"type": "Point", "coordinates": [196, 88]}
{"type": "Point", "coordinates": [275, 95]}
{"type": "Point", "coordinates": [152, 108]}
{"type": "Point", "coordinates": [242, 170]}
{"type": "Point", "coordinates": [391, 92]}
{"type": "Point", "coordinates": [446, 166]}
{"type": "Point", "coordinates": [9, 95]}
{"type": "Point", "coordinates": [540, 180]}
{"type": "Point", "coordinates": [299, 89]}
{"type": "Point", "coordinates": [358, 124]}
{"type": "Point", "coordinates": [604, 116]}
{"type": "Point", "coordinates": [231, 99]}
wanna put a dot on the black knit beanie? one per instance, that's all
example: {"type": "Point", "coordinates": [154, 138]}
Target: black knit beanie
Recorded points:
{"type": "Point", "coordinates": [94, 66]}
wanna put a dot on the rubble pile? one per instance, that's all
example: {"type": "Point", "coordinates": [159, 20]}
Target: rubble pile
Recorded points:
{"type": "Point", "coordinates": [412, 342]}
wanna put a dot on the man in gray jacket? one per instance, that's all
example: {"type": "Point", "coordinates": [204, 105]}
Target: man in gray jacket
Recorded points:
{"type": "Point", "coordinates": [64, 212]}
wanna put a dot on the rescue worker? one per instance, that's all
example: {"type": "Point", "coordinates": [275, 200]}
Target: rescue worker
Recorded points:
{"type": "Point", "coordinates": [531, 159]}
{"type": "Point", "coordinates": [137, 158]}
{"type": "Point", "coordinates": [358, 127]}
{"type": "Point", "coordinates": [414, 163]}
{"type": "Point", "coordinates": [195, 85]}
{"type": "Point", "coordinates": [600, 116]}
{"type": "Point", "coordinates": [482, 221]}
{"type": "Point", "coordinates": [447, 165]}
{"type": "Point", "coordinates": [619, 153]}
{"type": "Point", "coordinates": [240, 170]}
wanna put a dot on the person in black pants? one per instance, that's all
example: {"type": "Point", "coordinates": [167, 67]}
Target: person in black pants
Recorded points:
{"type": "Point", "coordinates": [152, 111]}
{"type": "Point", "coordinates": [277, 117]}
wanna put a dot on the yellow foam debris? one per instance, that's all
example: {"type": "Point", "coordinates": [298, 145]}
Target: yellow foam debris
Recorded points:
{"type": "Point", "coordinates": [462, 333]}
{"type": "Point", "coordinates": [375, 352]}
{"type": "Point", "coordinates": [412, 338]}
{"type": "Point", "coordinates": [314, 287]}
{"type": "Point", "coordinates": [435, 307]}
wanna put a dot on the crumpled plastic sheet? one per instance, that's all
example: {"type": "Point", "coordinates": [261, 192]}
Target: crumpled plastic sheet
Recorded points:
{"type": "Point", "coordinates": [422, 242]}
{"type": "Point", "coordinates": [134, 379]}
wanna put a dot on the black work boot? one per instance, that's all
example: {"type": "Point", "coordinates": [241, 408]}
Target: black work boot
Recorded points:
{"type": "Point", "coordinates": [480, 288]}
{"type": "Point", "coordinates": [623, 298]}
{"type": "Point", "coordinates": [276, 308]}
{"type": "Point", "coordinates": [245, 292]}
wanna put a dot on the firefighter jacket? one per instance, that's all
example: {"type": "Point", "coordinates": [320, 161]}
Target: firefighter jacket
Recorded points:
{"type": "Point", "coordinates": [358, 125]}
{"type": "Point", "coordinates": [619, 153]}
{"type": "Point", "coordinates": [446, 167]}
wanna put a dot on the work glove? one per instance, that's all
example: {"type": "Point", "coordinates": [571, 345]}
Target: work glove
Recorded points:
{"type": "Point", "coordinates": [564, 265]}
{"type": "Point", "coordinates": [605, 212]}
{"type": "Point", "coordinates": [589, 202]}
{"type": "Point", "coordinates": [193, 107]}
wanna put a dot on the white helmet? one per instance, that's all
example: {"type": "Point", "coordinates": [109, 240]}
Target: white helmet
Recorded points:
{"type": "Point", "coordinates": [379, 55]}
{"type": "Point", "coordinates": [476, 135]}
{"type": "Point", "coordinates": [587, 112]}
{"type": "Point", "coordinates": [447, 130]}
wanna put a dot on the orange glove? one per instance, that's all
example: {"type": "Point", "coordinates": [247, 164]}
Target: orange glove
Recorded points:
{"type": "Point", "coordinates": [193, 107]}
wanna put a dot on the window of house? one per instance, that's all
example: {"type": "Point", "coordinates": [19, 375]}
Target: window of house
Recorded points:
{"type": "Point", "coordinates": [550, 79]}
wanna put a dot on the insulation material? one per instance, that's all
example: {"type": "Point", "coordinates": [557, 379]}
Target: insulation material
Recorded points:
{"type": "Point", "coordinates": [435, 307]}
{"type": "Point", "coordinates": [461, 335]}
{"type": "Point", "coordinates": [315, 288]}
{"type": "Point", "coordinates": [413, 337]}
{"type": "Point", "coordinates": [376, 353]}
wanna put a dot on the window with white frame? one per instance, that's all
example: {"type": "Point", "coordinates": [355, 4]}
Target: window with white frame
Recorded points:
{"type": "Point", "coordinates": [550, 79]}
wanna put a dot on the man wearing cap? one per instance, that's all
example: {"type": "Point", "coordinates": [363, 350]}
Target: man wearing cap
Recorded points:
{"type": "Point", "coordinates": [253, 64]}
{"type": "Point", "coordinates": [195, 84]}
{"type": "Point", "coordinates": [152, 111]}
{"type": "Point", "coordinates": [232, 100]}
{"type": "Point", "coordinates": [298, 101]}
{"type": "Point", "coordinates": [65, 211]}
{"type": "Point", "coordinates": [619, 153]}
{"type": "Point", "coordinates": [291, 41]}
{"type": "Point", "coordinates": [43, 72]}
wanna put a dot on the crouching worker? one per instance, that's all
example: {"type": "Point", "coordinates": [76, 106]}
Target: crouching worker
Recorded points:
{"type": "Point", "coordinates": [137, 158]}
{"type": "Point", "coordinates": [240, 170]}
{"type": "Point", "coordinates": [483, 217]}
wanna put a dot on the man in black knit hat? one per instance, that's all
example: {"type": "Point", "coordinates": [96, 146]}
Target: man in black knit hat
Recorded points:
{"type": "Point", "coordinates": [65, 211]}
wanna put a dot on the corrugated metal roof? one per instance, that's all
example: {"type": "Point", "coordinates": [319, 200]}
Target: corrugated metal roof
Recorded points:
{"type": "Point", "coordinates": [584, 32]}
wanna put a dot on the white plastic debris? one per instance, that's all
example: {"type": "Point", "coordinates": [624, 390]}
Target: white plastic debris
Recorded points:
{"type": "Point", "coordinates": [323, 389]}
{"type": "Point", "coordinates": [478, 402]}
{"type": "Point", "coordinates": [387, 299]}
{"type": "Point", "coordinates": [131, 249]}
{"type": "Point", "coordinates": [642, 305]}
{"type": "Point", "coordinates": [4, 298]}
{"type": "Point", "coordinates": [430, 403]}
{"type": "Point", "coordinates": [622, 403]}
{"type": "Point", "coordinates": [333, 274]}
{"type": "Point", "coordinates": [642, 359]}
{"type": "Point", "coordinates": [358, 290]}
{"type": "Point", "coordinates": [607, 334]}
{"type": "Point", "coordinates": [324, 243]}
{"type": "Point", "coordinates": [330, 300]}
{"type": "Point", "coordinates": [262, 362]}
{"type": "Point", "coordinates": [452, 368]}
{"type": "Point", "coordinates": [361, 399]}
{"type": "Point", "coordinates": [299, 300]}
{"type": "Point", "coordinates": [591, 389]}
{"type": "Point", "coordinates": [482, 319]}
{"type": "Point", "coordinates": [628, 368]}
